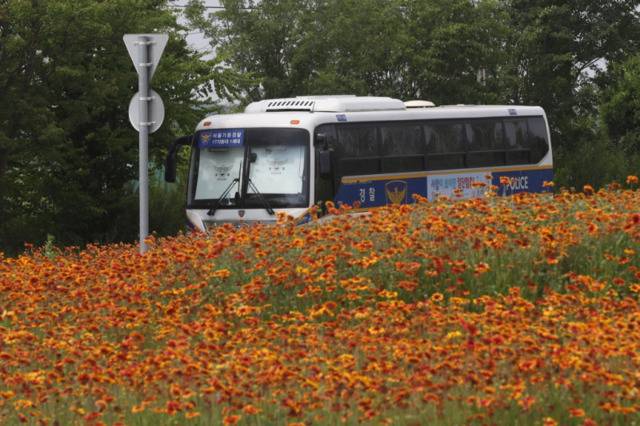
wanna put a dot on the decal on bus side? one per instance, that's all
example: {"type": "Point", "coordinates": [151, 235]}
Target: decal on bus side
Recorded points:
{"type": "Point", "coordinates": [375, 193]}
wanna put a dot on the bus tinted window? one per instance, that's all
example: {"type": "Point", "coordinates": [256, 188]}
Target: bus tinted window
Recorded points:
{"type": "Point", "coordinates": [517, 141]}
{"type": "Point", "coordinates": [402, 147]}
{"type": "Point", "coordinates": [329, 131]}
{"type": "Point", "coordinates": [359, 166]}
{"type": "Point", "coordinates": [445, 161]}
{"type": "Point", "coordinates": [445, 145]}
{"type": "Point", "coordinates": [538, 138]}
{"type": "Point", "coordinates": [324, 185]}
{"type": "Point", "coordinates": [357, 150]}
{"type": "Point", "coordinates": [485, 135]}
{"type": "Point", "coordinates": [357, 141]}
{"type": "Point", "coordinates": [401, 139]}
{"type": "Point", "coordinates": [396, 147]}
{"type": "Point", "coordinates": [444, 137]}
{"type": "Point", "coordinates": [486, 143]}
{"type": "Point", "coordinates": [515, 133]}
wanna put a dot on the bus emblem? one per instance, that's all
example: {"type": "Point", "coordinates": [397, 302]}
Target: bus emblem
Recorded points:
{"type": "Point", "coordinates": [396, 191]}
{"type": "Point", "coordinates": [241, 213]}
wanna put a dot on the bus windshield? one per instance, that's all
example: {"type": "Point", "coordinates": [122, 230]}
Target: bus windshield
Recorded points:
{"type": "Point", "coordinates": [241, 168]}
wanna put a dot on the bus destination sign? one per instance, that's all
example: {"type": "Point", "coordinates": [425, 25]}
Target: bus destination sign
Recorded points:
{"type": "Point", "coordinates": [221, 138]}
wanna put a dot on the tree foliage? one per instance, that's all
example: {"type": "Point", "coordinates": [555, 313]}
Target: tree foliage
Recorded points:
{"type": "Point", "coordinates": [68, 154]}
{"type": "Point", "coordinates": [559, 47]}
{"type": "Point", "coordinates": [621, 106]}
{"type": "Point", "coordinates": [448, 51]}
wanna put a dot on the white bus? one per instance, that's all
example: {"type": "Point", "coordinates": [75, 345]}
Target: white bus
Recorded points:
{"type": "Point", "coordinates": [287, 155]}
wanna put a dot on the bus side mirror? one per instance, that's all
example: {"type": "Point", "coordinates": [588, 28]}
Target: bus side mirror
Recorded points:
{"type": "Point", "coordinates": [172, 156]}
{"type": "Point", "coordinates": [324, 155]}
{"type": "Point", "coordinates": [324, 162]}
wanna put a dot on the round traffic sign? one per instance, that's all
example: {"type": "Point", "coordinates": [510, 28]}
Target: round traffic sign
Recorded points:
{"type": "Point", "coordinates": [156, 111]}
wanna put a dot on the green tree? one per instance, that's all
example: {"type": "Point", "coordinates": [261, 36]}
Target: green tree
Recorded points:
{"type": "Point", "coordinates": [457, 49]}
{"type": "Point", "coordinates": [449, 51]}
{"type": "Point", "coordinates": [620, 111]}
{"type": "Point", "coordinates": [260, 40]}
{"type": "Point", "coordinates": [558, 52]}
{"type": "Point", "coordinates": [67, 150]}
{"type": "Point", "coordinates": [594, 160]}
{"type": "Point", "coordinates": [621, 105]}
{"type": "Point", "coordinates": [557, 48]}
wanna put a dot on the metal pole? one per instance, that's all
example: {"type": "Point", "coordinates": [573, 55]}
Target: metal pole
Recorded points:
{"type": "Point", "coordinates": [143, 142]}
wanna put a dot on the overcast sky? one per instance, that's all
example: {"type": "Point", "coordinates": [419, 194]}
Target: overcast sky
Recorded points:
{"type": "Point", "coordinates": [196, 39]}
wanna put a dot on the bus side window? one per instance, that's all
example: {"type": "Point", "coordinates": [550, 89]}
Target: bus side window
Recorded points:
{"type": "Point", "coordinates": [537, 138]}
{"type": "Point", "coordinates": [357, 150]}
{"type": "Point", "coordinates": [517, 141]}
{"type": "Point", "coordinates": [402, 148]}
{"type": "Point", "coordinates": [445, 145]}
{"type": "Point", "coordinates": [485, 142]}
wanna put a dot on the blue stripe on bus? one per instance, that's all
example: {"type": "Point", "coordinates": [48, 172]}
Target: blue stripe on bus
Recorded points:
{"type": "Point", "coordinates": [375, 193]}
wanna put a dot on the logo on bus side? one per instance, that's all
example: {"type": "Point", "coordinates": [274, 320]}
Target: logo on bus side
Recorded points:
{"type": "Point", "coordinates": [396, 191]}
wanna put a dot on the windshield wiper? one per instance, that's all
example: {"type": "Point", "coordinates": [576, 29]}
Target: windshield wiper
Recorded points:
{"type": "Point", "coordinates": [264, 201]}
{"type": "Point", "coordinates": [251, 157]}
{"type": "Point", "coordinates": [216, 206]}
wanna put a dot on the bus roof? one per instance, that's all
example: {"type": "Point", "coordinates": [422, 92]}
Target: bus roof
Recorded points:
{"type": "Point", "coordinates": [332, 103]}
{"type": "Point", "coordinates": [310, 111]}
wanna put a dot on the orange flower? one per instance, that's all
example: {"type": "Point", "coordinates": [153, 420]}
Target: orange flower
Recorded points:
{"type": "Point", "coordinates": [437, 297]}
{"type": "Point", "coordinates": [173, 407]}
{"type": "Point", "coordinates": [481, 268]}
{"type": "Point", "coordinates": [250, 409]}
{"type": "Point", "coordinates": [222, 273]}
{"type": "Point", "coordinates": [576, 412]}
{"type": "Point", "coordinates": [100, 404]}
{"type": "Point", "coordinates": [419, 198]}
{"type": "Point", "coordinates": [588, 189]}
{"type": "Point", "coordinates": [526, 402]}
{"type": "Point", "coordinates": [409, 268]}
{"type": "Point", "coordinates": [408, 285]}
{"type": "Point", "coordinates": [231, 419]}
{"type": "Point", "coordinates": [138, 408]}
{"type": "Point", "coordinates": [632, 180]}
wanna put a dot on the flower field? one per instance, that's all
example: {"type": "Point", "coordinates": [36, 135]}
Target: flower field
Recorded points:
{"type": "Point", "coordinates": [502, 310]}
